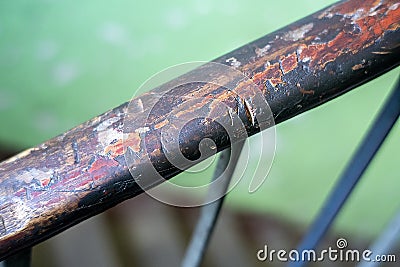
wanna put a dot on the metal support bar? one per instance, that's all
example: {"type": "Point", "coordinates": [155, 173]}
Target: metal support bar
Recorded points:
{"type": "Point", "coordinates": [209, 212]}
{"type": "Point", "coordinates": [352, 174]}
{"type": "Point", "coordinates": [384, 244]}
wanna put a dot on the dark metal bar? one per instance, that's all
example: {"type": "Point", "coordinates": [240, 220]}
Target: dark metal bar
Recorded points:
{"type": "Point", "coordinates": [83, 172]}
{"type": "Point", "coordinates": [352, 174]}
{"type": "Point", "coordinates": [209, 213]}
{"type": "Point", "coordinates": [21, 259]}
{"type": "Point", "coordinates": [388, 240]}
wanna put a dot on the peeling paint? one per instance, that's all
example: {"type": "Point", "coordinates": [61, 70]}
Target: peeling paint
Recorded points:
{"type": "Point", "coordinates": [108, 137]}
{"type": "Point", "coordinates": [299, 33]}
{"type": "Point", "coordinates": [288, 63]}
{"type": "Point", "coordinates": [142, 130]}
{"type": "Point", "coordinates": [133, 141]}
{"type": "Point", "coordinates": [394, 6]}
{"type": "Point", "coordinates": [233, 62]}
{"type": "Point", "coordinates": [273, 74]}
{"type": "Point", "coordinates": [36, 177]}
{"type": "Point", "coordinates": [161, 124]}
{"type": "Point", "coordinates": [19, 211]}
{"type": "Point", "coordinates": [106, 124]}
{"type": "Point", "coordinates": [260, 52]}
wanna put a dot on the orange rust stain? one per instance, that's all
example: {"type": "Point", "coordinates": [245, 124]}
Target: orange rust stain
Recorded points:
{"type": "Point", "coordinates": [117, 148]}
{"type": "Point", "coordinates": [156, 153]}
{"type": "Point", "coordinates": [133, 141]}
{"type": "Point", "coordinates": [271, 56]}
{"type": "Point", "coordinates": [102, 162]}
{"type": "Point", "coordinates": [303, 91]}
{"type": "Point", "coordinates": [306, 92]}
{"type": "Point", "coordinates": [228, 95]}
{"type": "Point", "coordinates": [161, 124]}
{"type": "Point", "coordinates": [288, 63]}
{"type": "Point", "coordinates": [394, 27]}
{"type": "Point", "coordinates": [392, 18]}
{"type": "Point", "coordinates": [45, 181]}
{"type": "Point", "coordinates": [371, 29]}
{"type": "Point", "coordinates": [192, 105]}
{"type": "Point", "coordinates": [357, 67]}
{"type": "Point", "coordinates": [340, 41]}
{"type": "Point", "coordinates": [360, 14]}
{"type": "Point", "coordinates": [310, 52]}
{"type": "Point", "coordinates": [328, 57]}
{"type": "Point", "coordinates": [272, 73]}
{"type": "Point", "coordinates": [259, 77]}
{"type": "Point", "coordinates": [350, 7]}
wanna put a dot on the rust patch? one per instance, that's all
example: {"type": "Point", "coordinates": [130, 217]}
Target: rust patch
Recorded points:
{"type": "Point", "coordinates": [101, 163]}
{"type": "Point", "coordinates": [36, 177]}
{"type": "Point", "coordinates": [272, 73]}
{"type": "Point", "coordinates": [371, 28]}
{"type": "Point", "coordinates": [133, 141]}
{"type": "Point", "coordinates": [350, 8]}
{"type": "Point", "coordinates": [306, 92]}
{"type": "Point", "coordinates": [288, 63]}
{"type": "Point", "coordinates": [309, 52]}
{"type": "Point", "coordinates": [156, 153]}
{"type": "Point", "coordinates": [303, 91]}
{"type": "Point", "coordinates": [161, 124]}
{"type": "Point", "coordinates": [357, 67]}
{"type": "Point", "coordinates": [115, 149]}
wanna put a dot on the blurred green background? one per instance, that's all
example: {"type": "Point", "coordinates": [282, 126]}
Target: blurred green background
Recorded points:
{"type": "Point", "coordinates": [64, 62]}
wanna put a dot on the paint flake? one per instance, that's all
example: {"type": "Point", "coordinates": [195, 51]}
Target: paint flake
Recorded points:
{"type": "Point", "coordinates": [299, 33]}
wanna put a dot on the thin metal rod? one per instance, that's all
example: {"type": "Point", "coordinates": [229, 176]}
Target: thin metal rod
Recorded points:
{"type": "Point", "coordinates": [227, 162]}
{"type": "Point", "coordinates": [352, 174]}
{"type": "Point", "coordinates": [21, 259]}
{"type": "Point", "coordinates": [389, 238]}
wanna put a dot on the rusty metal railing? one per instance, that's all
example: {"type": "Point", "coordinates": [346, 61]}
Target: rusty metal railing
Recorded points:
{"type": "Point", "coordinates": [49, 188]}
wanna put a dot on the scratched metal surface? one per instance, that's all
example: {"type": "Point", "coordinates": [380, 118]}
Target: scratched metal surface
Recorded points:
{"type": "Point", "coordinates": [82, 172]}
